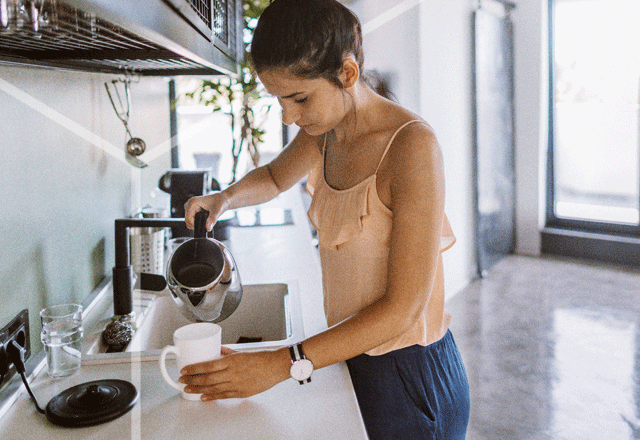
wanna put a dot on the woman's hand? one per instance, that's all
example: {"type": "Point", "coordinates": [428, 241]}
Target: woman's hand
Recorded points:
{"type": "Point", "coordinates": [215, 203]}
{"type": "Point", "coordinates": [236, 374]}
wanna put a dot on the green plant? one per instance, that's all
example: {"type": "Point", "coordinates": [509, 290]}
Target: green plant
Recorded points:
{"type": "Point", "coordinates": [239, 97]}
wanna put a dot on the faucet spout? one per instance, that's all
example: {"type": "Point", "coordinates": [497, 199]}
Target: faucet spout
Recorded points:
{"type": "Point", "coordinates": [123, 271]}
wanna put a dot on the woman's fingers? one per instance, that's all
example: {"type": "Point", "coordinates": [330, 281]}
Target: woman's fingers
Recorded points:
{"type": "Point", "coordinates": [192, 206]}
{"type": "Point", "coordinates": [211, 203]}
{"type": "Point", "coordinates": [204, 367]}
{"type": "Point", "coordinates": [226, 351]}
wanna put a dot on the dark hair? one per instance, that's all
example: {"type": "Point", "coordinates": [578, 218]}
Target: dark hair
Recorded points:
{"type": "Point", "coordinates": [308, 37]}
{"type": "Point", "coordinates": [379, 83]}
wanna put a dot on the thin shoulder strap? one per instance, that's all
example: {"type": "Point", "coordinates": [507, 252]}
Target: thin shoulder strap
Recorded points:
{"type": "Point", "coordinates": [392, 138]}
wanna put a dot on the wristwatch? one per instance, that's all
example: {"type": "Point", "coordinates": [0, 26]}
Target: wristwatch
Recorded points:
{"type": "Point", "coordinates": [301, 367]}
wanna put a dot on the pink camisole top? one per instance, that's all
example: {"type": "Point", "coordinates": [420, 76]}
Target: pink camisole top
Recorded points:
{"type": "Point", "coordinates": [354, 232]}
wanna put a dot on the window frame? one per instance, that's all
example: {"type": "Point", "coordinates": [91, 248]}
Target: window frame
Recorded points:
{"type": "Point", "coordinates": [551, 220]}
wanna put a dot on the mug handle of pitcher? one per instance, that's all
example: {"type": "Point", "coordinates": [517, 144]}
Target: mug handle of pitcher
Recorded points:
{"type": "Point", "coordinates": [163, 367]}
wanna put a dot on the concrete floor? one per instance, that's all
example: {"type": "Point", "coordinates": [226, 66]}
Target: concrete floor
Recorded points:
{"type": "Point", "coordinates": [552, 351]}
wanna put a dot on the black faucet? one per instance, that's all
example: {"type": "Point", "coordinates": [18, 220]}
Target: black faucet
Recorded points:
{"type": "Point", "coordinates": [123, 271]}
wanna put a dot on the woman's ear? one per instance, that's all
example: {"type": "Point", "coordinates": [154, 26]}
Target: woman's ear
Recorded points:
{"type": "Point", "coordinates": [349, 73]}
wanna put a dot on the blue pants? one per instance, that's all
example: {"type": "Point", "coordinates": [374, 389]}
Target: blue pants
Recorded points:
{"type": "Point", "coordinates": [413, 393]}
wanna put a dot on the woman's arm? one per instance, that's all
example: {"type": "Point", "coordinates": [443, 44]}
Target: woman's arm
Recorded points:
{"type": "Point", "coordinates": [261, 184]}
{"type": "Point", "coordinates": [416, 185]}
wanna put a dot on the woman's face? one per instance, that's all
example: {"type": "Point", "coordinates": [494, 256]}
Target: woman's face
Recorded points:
{"type": "Point", "coordinates": [315, 105]}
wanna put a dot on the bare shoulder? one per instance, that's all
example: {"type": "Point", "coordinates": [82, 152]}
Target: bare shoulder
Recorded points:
{"type": "Point", "coordinates": [409, 129]}
{"type": "Point", "coordinates": [412, 171]}
{"type": "Point", "coordinates": [416, 132]}
{"type": "Point", "coordinates": [296, 160]}
{"type": "Point", "coordinates": [414, 147]}
{"type": "Point", "coordinates": [304, 146]}
{"type": "Point", "coordinates": [306, 141]}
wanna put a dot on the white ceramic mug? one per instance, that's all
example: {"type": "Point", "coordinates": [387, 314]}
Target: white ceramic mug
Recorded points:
{"type": "Point", "coordinates": [193, 343]}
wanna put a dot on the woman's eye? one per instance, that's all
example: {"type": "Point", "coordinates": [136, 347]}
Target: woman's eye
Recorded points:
{"type": "Point", "coordinates": [301, 100]}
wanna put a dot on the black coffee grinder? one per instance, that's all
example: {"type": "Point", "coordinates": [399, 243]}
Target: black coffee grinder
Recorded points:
{"type": "Point", "coordinates": [181, 185]}
{"type": "Point", "coordinates": [184, 184]}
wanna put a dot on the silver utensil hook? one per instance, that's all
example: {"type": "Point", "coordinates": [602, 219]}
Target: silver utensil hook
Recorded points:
{"type": "Point", "coordinates": [124, 109]}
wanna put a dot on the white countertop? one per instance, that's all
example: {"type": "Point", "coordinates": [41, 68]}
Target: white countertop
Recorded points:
{"type": "Point", "coordinates": [324, 409]}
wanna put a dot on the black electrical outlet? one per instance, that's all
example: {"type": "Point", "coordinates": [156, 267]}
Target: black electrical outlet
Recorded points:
{"type": "Point", "coordinates": [17, 330]}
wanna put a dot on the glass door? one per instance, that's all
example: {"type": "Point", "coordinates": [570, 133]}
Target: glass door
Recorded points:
{"type": "Point", "coordinates": [494, 137]}
{"type": "Point", "coordinates": [594, 161]}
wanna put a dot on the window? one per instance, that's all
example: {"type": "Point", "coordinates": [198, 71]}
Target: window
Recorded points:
{"type": "Point", "coordinates": [594, 162]}
{"type": "Point", "coordinates": [205, 138]}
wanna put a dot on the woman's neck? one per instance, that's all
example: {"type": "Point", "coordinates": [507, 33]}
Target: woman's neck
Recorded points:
{"type": "Point", "coordinates": [358, 119]}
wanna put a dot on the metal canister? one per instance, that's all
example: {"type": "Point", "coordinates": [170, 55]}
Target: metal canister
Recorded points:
{"type": "Point", "coordinates": [147, 245]}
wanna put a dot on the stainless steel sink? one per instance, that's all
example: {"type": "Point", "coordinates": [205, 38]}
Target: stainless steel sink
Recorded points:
{"type": "Point", "coordinates": [269, 313]}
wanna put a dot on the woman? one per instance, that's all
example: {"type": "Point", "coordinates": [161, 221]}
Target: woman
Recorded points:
{"type": "Point", "coordinates": [376, 177]}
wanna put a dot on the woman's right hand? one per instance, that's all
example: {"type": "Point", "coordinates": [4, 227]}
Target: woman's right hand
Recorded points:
{"type": "Point", "coordinates": [215, 203]}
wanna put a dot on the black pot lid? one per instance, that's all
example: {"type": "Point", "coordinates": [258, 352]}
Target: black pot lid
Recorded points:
{"type": "Point", "coordinates": [92, 403]}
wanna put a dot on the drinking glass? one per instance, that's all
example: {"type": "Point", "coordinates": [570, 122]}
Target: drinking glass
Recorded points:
{"type": "Point", "coordinates": [62, 335]}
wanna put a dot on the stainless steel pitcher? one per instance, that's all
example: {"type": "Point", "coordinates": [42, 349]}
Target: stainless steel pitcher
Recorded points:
{"type": "Point", "coordinates": [203, 277]}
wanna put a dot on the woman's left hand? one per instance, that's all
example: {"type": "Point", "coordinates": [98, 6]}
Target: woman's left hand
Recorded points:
{"type": "Point", "coordinates": [236, 374]}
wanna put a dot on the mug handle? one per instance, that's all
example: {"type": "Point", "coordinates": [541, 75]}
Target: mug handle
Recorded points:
{"type": "Point", "coordinates": [163, 367]}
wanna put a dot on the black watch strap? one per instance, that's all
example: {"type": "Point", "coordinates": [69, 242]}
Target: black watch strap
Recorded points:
{"type": "Point", "coordinates": [296, 352]}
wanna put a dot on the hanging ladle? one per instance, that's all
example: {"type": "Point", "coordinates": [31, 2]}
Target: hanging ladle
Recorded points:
{"type": "Point", "coordinates": [135, 146]}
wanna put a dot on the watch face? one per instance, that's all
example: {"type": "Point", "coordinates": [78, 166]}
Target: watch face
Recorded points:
{"type": "Point", "coordinates": [302, 369]}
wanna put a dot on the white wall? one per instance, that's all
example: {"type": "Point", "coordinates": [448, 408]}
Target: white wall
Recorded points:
{"type": "Point", "coordinates": [424, 47]}
{"type": "Point", "coordinates": [445, 93]}
{"type": "Point", "coordinates": [531, 86]}
{"type": "Point", "coordinates": [62, 184]}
